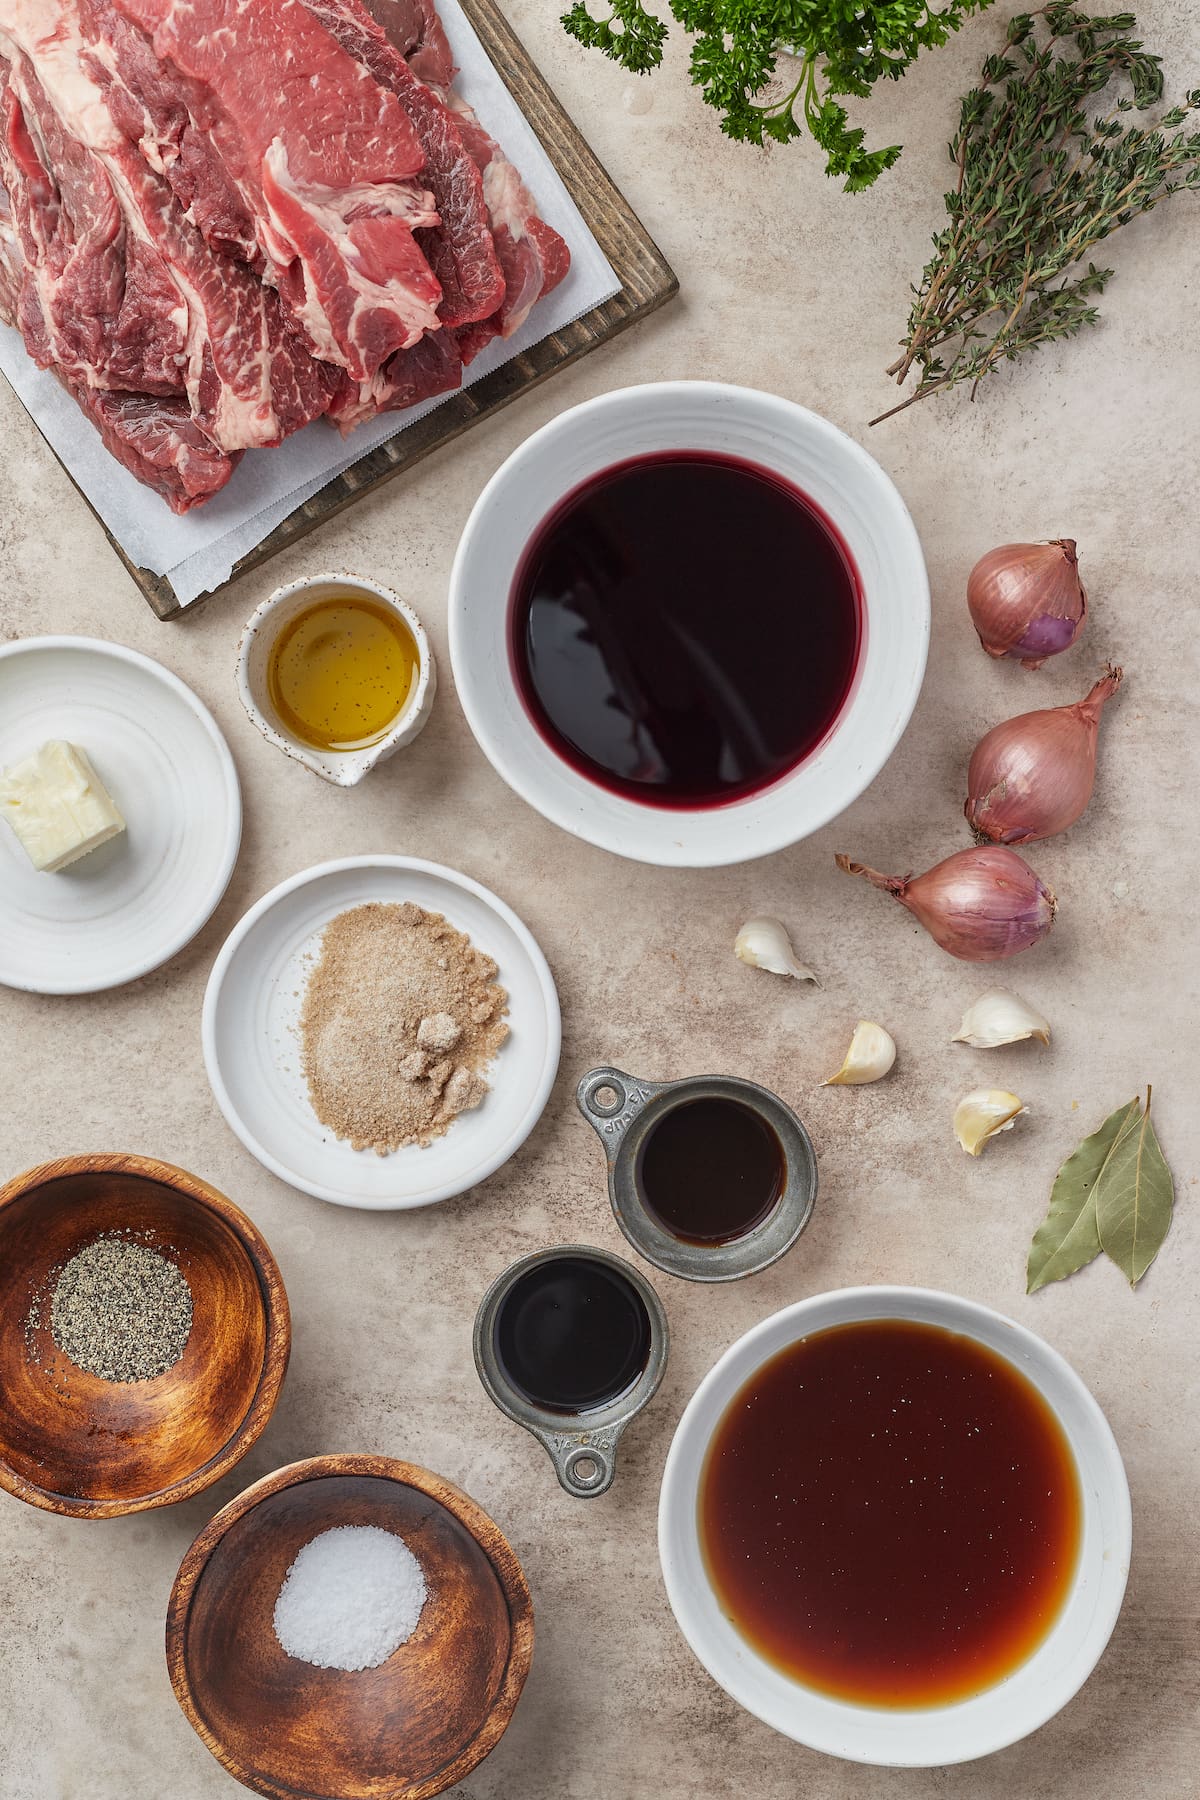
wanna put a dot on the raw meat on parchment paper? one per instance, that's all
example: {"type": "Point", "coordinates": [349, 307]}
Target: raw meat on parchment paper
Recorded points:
{"type": "Point", "coordinates": [211, 242]}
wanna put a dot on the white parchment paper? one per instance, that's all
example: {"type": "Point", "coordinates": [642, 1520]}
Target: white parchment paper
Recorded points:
{"type": "Point", "coordinates": [198, 552]}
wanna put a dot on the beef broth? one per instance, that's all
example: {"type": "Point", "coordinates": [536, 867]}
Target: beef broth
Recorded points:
{"type": "Point", "coordinates": [685, 628]}
{"type": "Point", "coordinates": [890, 1513]}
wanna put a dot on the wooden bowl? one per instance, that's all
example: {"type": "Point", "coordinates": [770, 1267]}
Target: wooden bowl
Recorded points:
{"type": "Point", "coordinates": [406, 1730]}
{"type": "Point", "coordinates": [75, 1444]}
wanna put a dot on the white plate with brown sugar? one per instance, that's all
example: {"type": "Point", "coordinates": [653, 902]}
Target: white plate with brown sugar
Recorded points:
{"type": "Point", "coordinates": [301, 1021]}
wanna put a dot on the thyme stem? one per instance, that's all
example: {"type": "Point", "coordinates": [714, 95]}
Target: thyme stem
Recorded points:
{"type": "Point", "coordinates": [1039, 183]}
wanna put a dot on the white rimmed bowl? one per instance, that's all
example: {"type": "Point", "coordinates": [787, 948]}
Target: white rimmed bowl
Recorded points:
{"type": "Point", "coordinates": [924, 1737]}
{"type": "Point", "coordinates": [805, 449]}
{"type": "Point", "coordinates": [136, 901]}
{"type": "Point", "coordinates": [252, 1053]}
{"type": "Point", "coordinates": [344, 768]}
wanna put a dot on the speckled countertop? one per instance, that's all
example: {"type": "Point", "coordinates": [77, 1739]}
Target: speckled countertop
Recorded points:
{"type": "Point", "coordinates": [787, 284]}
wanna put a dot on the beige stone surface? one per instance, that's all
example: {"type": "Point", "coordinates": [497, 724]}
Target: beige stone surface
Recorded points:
{"type": "Point", "coordinates": [791, 285]}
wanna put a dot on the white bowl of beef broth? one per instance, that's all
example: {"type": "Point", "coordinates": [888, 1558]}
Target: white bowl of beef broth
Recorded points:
{"type": "Point", "coordinates": [689, 622]}
{"type": "Point", "coordinates": [895, 1526]}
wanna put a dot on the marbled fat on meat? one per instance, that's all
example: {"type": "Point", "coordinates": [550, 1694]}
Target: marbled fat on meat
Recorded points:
{"type": "Point", "coordinates": [321, 155]}
{"type": "Point", "coordinates": [459, 248]}
{"type": "Point", "coordinates": [148, 103]}
{"type": "Point", "coordinates": [219, 221]}
{"type": "Point", "coordinates": [159, 442]}
{"type": "Point", "coordinates": [532, 256]}
{"type": "Point", "coordinates": [122, 290]}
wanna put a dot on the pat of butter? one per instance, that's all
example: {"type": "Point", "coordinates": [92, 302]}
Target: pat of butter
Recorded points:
{"type": "Point", "coordinates": [57, 805]}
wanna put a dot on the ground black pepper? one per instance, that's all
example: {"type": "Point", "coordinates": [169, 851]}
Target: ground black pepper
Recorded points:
{"type": "Point", "coordinates": [121, 1311]}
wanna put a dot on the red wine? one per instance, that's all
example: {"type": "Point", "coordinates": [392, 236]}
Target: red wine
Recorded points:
{"type": "Point", "coordinates": [710, 1170]}
{"type": "Point", "coordinates": [572, 1333]}
{"type": "Point", "coordinates": [890, 1512]}
{"type": "Point", "coordinates": [685, 628]}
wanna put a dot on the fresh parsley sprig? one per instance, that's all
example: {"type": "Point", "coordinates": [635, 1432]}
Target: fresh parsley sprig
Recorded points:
{"type": "Point", "coordinates": [777, 68]}
{"type": "Point", "coordinates": [1042, 180]}
{"type": "Point", "coordinates": [631, 35]}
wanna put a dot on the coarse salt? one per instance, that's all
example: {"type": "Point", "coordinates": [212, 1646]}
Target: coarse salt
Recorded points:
{"type": "Point", "coordinates": [352, 1596]}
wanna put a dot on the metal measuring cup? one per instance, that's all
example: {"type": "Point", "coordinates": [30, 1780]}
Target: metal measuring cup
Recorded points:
{"type": "Point", "coordinates": [622, 1110]}
{"type": "Point", "coordinates": [582, 1445]}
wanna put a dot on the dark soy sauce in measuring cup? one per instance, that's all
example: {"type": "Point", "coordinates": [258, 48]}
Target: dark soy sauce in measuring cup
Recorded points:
{"type": "Point", "coordinates": [710, 1170]}
{"type": "Point", "coordinates": [572, 1334]}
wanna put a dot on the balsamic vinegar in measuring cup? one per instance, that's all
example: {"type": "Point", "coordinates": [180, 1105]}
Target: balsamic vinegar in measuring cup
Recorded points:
{"type": "Point", "coordinates": [684, 628]}
{"type": "Point", "coordinates": [572, 1334]}
{"type": "Point", "coordinates": [710, 1170]}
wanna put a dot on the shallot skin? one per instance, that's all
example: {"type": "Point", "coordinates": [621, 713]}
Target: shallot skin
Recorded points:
{"type": "Point", "coordinates": [979, 905]}
{"type": "Point", "coordinates": [1027, 600]}
{"type": "Point", "coordinates": [1033, 776]}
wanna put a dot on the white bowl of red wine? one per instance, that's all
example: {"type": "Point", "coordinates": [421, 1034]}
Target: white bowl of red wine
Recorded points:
{"type": "Point", "coordinates": [689, 622]}
{"type": "Point", "coordinates": [895, 1526]}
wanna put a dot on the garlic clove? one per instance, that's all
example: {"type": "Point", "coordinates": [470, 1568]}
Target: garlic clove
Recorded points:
{"type": "Point", "coordinates": [1000, 1017]}
{"type": "Point", "coordinates": [871, 1054]}
{"type": "Point", "coordinates": [765, 944]}
{"type": "Point", "coordinates": [980, 1115]}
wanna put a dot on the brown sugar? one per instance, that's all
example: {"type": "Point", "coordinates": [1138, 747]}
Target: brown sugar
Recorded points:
{"type": "Point", "coordinates": [400, 1020]}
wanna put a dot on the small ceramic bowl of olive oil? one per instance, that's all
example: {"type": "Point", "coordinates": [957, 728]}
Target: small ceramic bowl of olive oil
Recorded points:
{"type": "Point", "coordinates": [336, 672]}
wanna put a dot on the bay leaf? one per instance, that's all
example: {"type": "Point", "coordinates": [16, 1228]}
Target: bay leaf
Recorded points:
{"type": "Point", "coordinates": [1134, 1197]}
{"type": "Point", "coordinates": [1069, 1236]}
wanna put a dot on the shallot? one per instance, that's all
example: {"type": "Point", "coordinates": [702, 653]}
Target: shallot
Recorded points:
{"type": "Point", "coordinates": [1033, 776]}
{"type": "Point", "coordinates": [1027, 600]}
{"type": "Point", "coordinates": [978, 904]}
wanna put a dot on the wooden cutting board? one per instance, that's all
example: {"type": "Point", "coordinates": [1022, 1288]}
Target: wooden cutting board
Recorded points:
{"type": "Point", "coordinates": [646, 282]}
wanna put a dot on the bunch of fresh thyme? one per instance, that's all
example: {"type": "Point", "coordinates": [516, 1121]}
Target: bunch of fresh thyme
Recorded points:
{"type": "Point", "coordinates": [1040, 183]}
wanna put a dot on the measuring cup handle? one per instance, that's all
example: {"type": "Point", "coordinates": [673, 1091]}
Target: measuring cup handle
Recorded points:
{"type": "Point", "coordinates": [585, 1462]}
{"type": "Point", "coordinates": [610, 1118]}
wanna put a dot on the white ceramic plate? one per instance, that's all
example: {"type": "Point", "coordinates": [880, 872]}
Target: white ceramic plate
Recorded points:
{"type": "Point", "coordinates": [924, 1737]}
{"type": "Point", "coordinates": [138, 899]}
{"type": "Point", "coordinates": [851, 489]}
{"type": "Point", "coordinates": [251, 1050]}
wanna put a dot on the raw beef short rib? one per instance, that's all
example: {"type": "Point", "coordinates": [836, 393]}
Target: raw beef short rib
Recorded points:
{"type": "Point", "coordinates": [221, 220]}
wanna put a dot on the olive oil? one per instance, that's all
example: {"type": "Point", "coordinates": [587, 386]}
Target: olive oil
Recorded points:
{"type": "Point", "coordinates": [340, 672]}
